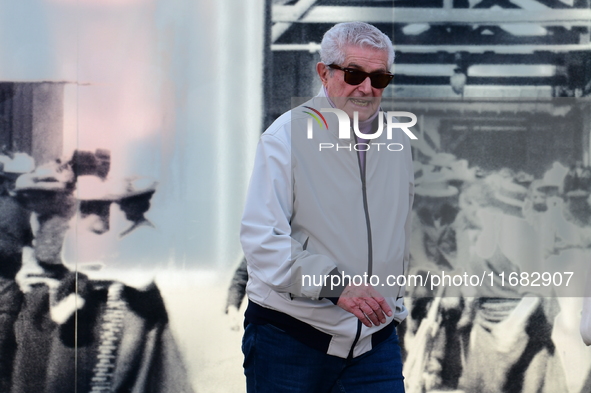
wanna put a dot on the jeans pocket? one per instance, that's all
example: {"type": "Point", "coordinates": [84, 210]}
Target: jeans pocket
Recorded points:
{"type": "Point", "coordinates": [248, 340]}
{"type": "Point", "coordinates": [274, 328]}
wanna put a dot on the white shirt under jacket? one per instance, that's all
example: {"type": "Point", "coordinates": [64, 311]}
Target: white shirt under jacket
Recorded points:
{"type": "Point", "coordinates": [301, 195]}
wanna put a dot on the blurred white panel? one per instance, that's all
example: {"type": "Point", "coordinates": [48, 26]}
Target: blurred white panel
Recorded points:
{"type": "Point", "coordinates": [530, 5]}
{"type": "Point", "coordinates": [424, 69]}
{"type": "Point", "coordinates": [512, 70]}
{"type": "Point", "coordinates": [513, 49]}
{"type": "Point", "coordinates": [493, 15]}
{"type": "Point", "coordinates": [524, 29]}
{"type": "Point", "coordinates": [428, 91]}
{"type": "Point", "coordinates": [415, 28]}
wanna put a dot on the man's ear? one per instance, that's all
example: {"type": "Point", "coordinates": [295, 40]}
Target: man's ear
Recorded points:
{"type": "Point", "coordinates": [322, 71]}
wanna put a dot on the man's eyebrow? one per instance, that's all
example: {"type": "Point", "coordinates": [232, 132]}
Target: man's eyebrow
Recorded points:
{"type": "Point", "coordinates": [358, 67]}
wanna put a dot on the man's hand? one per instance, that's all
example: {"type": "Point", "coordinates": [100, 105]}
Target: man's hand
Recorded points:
{"type": "Point", "coordinates": [365, 303]}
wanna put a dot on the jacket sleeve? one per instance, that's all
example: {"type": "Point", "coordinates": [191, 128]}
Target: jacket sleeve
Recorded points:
{"type": "Point", "coordinates": [408, 225]}
{"type": "Point", "coordinates": [274, 257]}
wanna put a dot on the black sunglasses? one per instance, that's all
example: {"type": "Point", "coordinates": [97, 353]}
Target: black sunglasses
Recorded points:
{"type": "Point", "coordinates": [354, 77]}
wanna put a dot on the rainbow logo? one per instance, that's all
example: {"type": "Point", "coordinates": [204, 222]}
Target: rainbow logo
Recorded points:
{"type": "Point", "coordinates": [316, 117]}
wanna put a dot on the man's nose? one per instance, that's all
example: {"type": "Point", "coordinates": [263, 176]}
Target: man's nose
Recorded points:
{"type": "Point", "coordinates": [365, 86]}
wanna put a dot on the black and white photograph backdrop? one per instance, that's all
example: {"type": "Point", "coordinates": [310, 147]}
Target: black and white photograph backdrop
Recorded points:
{"type": "Point", "coordinates": [127, 136]}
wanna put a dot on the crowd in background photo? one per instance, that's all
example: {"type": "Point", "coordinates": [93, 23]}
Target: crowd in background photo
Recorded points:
{"type": "Point", "coordinates": [496, 338]}
{"type": "Point", "coordinates": [67, 321]}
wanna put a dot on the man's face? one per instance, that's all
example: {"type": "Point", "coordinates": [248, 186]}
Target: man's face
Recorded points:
{"type": "Point", "coordinates": [94, 216]}
{"type": "Point", "coordinates": [362, 98]}
{"type": "Point", "coordinates": [539, 201]}
{"type": "Point", "coordinates": [470, 209]}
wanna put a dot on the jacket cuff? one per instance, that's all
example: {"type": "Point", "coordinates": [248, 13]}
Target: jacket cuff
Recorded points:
{"type": "Point", "coordinates": [333, 292]}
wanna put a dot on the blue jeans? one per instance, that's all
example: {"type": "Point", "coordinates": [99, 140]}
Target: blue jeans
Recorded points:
{"type": "Point", "coordinates": [274, 362]}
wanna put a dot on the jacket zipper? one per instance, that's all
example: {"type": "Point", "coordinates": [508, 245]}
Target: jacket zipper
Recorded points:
{"type": "Point", "coordinates": [362, 170]}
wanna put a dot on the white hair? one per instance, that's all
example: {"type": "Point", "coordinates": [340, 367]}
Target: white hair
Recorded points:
{"type": "Point", "coordinates": [361, 34]}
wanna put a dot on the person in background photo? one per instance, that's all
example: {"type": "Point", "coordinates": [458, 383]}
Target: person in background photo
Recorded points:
{"type": "Point", "coordinates": [510, 344]}
{"type": "Point", "coordinates": [433, 249]}
{"type": "Point", "coordinates": [135, 202]}
{"type": "Point", "coordinates": [89, 240]}
{"type": "Point", "coordinates": [236, 295]}
{"type": "Point", "coordinates": [75, 332]}
{"type": "Point", "coordinates": [110, 233]}
{"type": "Point", "coordinates": [15, 234]}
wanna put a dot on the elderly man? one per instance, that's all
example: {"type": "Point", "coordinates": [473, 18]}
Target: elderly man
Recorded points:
{"type": "Point", "coordinates": [323, 229]}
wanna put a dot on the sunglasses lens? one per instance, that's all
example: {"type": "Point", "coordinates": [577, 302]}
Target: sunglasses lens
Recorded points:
{"type": "Point", "coordinates": [354, 77]}
{"type": "Point", "coordinates": [380, 81]}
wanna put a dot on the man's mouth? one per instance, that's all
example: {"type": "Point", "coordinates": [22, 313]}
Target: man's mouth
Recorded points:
{"type": "Point", "coordinates": [359, 102]}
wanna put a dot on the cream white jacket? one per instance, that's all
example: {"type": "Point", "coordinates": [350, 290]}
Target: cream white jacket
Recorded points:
{"type": "Point", "coordinates": [309, 210]}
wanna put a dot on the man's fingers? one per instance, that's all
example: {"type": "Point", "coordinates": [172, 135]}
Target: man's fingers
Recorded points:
{"type": "Point", "coordinates": [380, 301]}
{"type": "Point", "coordinates": [373, 316]}
{"type": "Point", "coordinates": [366, 304]}
{"type": "Point", "coordinates": [361, 316]}
{"type": "Point", "coordinates": [384, 306]}
{"type": "Point", "coordinates": [375, 306]}
{"type": "Point", "coordinates": [354, 307]}
{"type": "Point", "coordinates": [376, 309]}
